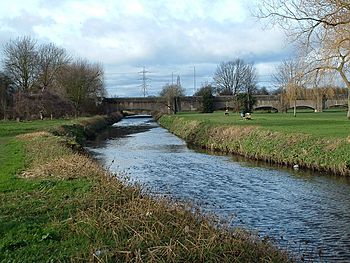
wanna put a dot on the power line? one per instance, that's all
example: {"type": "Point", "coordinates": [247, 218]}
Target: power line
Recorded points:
{"type": "Point", "coordinates": [194, 79]}
{"type": "Point", "coordinates": [144, 79]}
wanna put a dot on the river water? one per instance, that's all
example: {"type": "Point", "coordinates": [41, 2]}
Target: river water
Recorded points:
{"type": "Point", "coordinates": [307, 214]}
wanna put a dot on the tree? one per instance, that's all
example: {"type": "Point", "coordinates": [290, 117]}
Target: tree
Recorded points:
{"type": "Point", "coordinates": [6, 92]}
{"type": "Point", "coordinates": [51, 60]}
{"type": "Point", "coordinates": [289, 79]}
{"type": "Point", "coordinates": [235, 77]}
{"type": "Point", "coordinates": [249, 87]}
{"type": "Point", "coordinates": [206, 92]}
{"type": "Point", "coordinates": [83, 83]}
{"type": "Point", "coordinates": [170, 93]}
{"type": "Point", "coordinates": [245, 102]}
{"type": "Point", "coordinates": [321, 28]}
{"type": "Point", "coordinates": [20, 62]}
{"type": "Point", "coordinates": [262, 91]}
{"type": "Point", "coordinates": [230, 77]}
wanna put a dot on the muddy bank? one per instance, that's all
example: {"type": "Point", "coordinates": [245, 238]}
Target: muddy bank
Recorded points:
{"type": "Point", "coordinates": [77, 134]}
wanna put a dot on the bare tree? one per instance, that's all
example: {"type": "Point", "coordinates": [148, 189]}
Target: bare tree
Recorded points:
{"type": "Point", "coordinates": [323, 87]}
{"type": "Point", "coordinates": [51, 59]}
{"type": "Point", "coordinates": [83, 82]}
{"type": "Point", "coordinates": [20, 62]}
{"type": "Point", "coordinates": [236, 77]}
{"type": "Point", "coordinates": [321, 27]}
{"type": "Point", "coordinates": [289, 78]}
{"type": "Point", "coordinates": [230, 76]}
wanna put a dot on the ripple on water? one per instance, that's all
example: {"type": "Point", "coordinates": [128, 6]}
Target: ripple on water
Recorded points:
{"type": "Point", "coordinates": [309, 215]}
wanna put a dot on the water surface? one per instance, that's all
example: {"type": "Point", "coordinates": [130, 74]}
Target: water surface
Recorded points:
{"type": "Point", "coordinates": [308, 214]}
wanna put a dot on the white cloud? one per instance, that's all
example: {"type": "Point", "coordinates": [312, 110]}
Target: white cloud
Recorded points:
{"type": "Point", "coordinates": [158, 34]}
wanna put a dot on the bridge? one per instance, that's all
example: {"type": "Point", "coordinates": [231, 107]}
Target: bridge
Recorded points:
{"type": "Point", "coordinates": [149, 104]}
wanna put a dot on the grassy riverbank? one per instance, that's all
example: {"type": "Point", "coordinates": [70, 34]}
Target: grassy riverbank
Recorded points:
{"type": "Point", "coordinates": [318, 141]}
{"type": "Point", "coordinates": [59, 205]}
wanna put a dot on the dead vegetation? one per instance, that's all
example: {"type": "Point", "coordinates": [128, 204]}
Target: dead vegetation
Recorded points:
{"type": "Point", "coordinates": [308, 151]}
{"type": "Point", "coordinates": [120, 223]}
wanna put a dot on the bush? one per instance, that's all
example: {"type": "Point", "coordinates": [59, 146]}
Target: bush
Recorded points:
{"type": "Point", "coordinates": [206, 92]}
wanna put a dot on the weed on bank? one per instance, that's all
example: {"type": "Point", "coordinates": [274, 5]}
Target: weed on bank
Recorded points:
{"type": "Point", "coordinates": [59, 205]}
{"type": "Point", "coordinates": [319, 142]}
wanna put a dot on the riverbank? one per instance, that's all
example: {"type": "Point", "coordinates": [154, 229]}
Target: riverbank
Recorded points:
{"type": "Point", "coordinates": [303, 142]}
{"type": "Point", "coordinates": [59, 205]}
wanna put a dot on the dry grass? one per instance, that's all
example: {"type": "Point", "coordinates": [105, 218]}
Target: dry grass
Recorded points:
{"type": "Point", "coordinates": [224, 133]}
{"type": "Point", "coordinates": [75, 166]}
{"type": "Point", "coordinates": [308, 151]}
{"type": "Point", "coordinates": [332, 145]}
{"type": "Point", "coordinates": [33, 135]}
{"type": "Point", "coordinates": [120, 223]}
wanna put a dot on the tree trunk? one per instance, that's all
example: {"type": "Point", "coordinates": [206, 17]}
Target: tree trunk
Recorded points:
{"type": "Point", "coordinates": [295, 108]}
{"type": "Point", "coordinates": [348, 115]}
{"type": "Point", "coordinates": [347, 82]}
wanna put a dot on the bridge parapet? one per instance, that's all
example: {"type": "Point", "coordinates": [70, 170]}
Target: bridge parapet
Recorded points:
{"type": "Point", "coordinates": [336, 102]}
{"type": "Point", "coordinates": [193, 103]}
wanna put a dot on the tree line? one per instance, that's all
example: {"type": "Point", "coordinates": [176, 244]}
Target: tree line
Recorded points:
{"type": "Point", "coordinates": [44, 80]}
{"type": "Point", "coordinates": [237, 78]}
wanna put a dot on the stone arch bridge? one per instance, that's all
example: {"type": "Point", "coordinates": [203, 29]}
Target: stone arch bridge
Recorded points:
{"type": "Point", "coordinates": [149, 104]}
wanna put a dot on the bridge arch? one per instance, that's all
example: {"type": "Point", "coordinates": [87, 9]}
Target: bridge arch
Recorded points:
{"type": "Point", "coordinates": [265, 108]}
{"type": "Point", "coordinates": [301, 107]}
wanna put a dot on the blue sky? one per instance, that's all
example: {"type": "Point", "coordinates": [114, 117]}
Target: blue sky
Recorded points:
{"type": "Point", "coordinates": [166, 37]}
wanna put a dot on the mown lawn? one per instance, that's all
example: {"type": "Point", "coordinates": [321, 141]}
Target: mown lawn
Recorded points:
{"type": "Point", "coordinates": [324, 124]}
{"type": "Point", "coordinates": [13, 128]}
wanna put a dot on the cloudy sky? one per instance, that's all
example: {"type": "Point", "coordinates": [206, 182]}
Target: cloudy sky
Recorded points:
{"type": "Point", "coordinates": [168, 38]}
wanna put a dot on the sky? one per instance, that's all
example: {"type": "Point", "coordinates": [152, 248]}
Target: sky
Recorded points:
{"type": "Point", "coordinates": [166, 38]}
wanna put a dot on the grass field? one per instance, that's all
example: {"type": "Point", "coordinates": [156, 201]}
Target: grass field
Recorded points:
{"type": "Point", "coordinates": [60, 206]}
{"type": "Point", "coordinates": [13, 128]}
{"type": "Point", "coordinates": [319, 141]}
{"type": "Point", "coordinates": [22, 215]}
{"type": "Point", "coordinates": [325, 124]}
{"type": "Point", "coordinates": [12, 155]}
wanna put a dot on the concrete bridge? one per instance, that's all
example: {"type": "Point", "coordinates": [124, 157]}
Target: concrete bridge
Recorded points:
{"type": "Point", "coordinates": [149, 104]}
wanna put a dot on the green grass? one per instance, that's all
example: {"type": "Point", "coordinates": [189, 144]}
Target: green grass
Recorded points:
{"type": "Point", "coordinates": [27, 216]}
{"type": "Point", "coordinates": [325, 124]}
{"type": "Point", "coordinates": [67, 208]}
{"type": "Point", "coordinates": [319, 141]}
{"type": "Point", "coordinates": [11, 162]}
{"type": "Point", "coordinates": [13, 128]}
{"type": "Point", "coordinates": [12, 154]}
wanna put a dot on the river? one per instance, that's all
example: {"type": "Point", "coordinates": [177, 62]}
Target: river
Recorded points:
{"type": "Point", "coordinates": [306, 213]}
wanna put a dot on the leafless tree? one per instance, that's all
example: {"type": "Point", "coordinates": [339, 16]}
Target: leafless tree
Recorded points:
{"type": "Point", "coordinates": [290, 79]}
{"type": "Point", "coordinates": [230, 77]}
{"type": "Point", "coordinates": [20, 62]}
{"type": "Point", "coordinates": [321, 27]}
{"type": "Point", "coordinates": [83, 82]}
{"type": "Point", "coordinates": [51, 59]}
{"type": "Point", "coordinates": [234, 77]}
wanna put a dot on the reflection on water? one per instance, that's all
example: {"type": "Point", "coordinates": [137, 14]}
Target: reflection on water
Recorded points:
{"type": "Point", "coordinates": [307, 214]}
